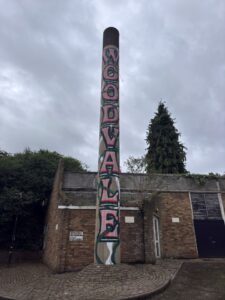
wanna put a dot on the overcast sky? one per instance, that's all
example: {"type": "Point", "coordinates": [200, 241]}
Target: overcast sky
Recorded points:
{"type": "Point", "coordinates": [50, 75]}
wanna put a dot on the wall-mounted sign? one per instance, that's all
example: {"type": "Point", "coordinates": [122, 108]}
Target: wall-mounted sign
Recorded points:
{"type": "Point", "coordinates": [175, 220]}
{"type": "Point", "coordinates": [76, 236]}
{"type": "Point", "coordinates": [129, 219]}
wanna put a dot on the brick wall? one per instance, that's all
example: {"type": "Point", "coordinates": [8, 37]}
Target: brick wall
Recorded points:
{"type": "Point", "coordinates": [132, 237]}
{"type": "Point", "coordinates": [137, 242]}
{"type": "Point", "coordinates": [136, 238]}
{"type": "Point", "coordinates": [79, 253]}
{"type": "Point", "coordinates": [177, 239]}
{"type": "Point", "coordinates": [54, 221]}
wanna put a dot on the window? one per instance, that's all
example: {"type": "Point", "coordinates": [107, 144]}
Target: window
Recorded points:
{"type": "Point", "coordinates": [206, 206]}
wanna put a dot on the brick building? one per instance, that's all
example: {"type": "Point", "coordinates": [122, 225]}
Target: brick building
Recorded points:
{"type": "Point", "coordinates": [160, 216]}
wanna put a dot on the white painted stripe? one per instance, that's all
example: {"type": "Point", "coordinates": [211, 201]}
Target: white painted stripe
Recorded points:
{"type": "Point", "coordinates": [129, 208]}
{"type": "Point", "coordinates": [75, 207]}
{"type": "Point", "coordinates": [221, 206]}
{"type": "Point", "coordinates": [92, 207]}
{"type": "Point", "coordinates": [192, 219]}
{"type": "Point", "coordinates": [220, 201]}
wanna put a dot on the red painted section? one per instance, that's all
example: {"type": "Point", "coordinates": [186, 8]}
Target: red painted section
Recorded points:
{"type": "Point", "coordinates": [110, 114]}
{"type": "Point", "coordinates": [109, 164]}
{"type": "Point", "coordinates": [109, 223]}
{"type": "Point", "coordinates": [105, 197]}
{"type": "Point", "coordinates": [110, 135]}
{"type": "Point", "coordinates": [108, 175]}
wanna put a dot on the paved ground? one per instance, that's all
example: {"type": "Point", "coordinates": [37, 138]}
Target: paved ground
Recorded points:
{"type": "Point", "coordinates": [36, 282]}
{"type": "Point", "coordinates": [197, 281]}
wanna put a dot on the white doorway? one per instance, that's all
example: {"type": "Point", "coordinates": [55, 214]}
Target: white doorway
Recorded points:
{"type": "Point", "coordinates": [156, 236]}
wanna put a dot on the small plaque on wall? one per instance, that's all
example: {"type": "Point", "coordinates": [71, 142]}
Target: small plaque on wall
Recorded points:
{"type": "Point", "coordinates": [175, 220]}
{"type": "Point", "coordinates": [76, 236]}
{"type": "Point", "coordinates": [129, 219]}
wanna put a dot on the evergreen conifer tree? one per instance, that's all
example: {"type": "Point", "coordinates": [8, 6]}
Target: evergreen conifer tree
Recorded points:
{"type": "Point", "coordinates": [165, 153]}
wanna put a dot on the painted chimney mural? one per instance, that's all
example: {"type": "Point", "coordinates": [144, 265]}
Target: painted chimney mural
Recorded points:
{"type": "Point", "coordinates": [107, 243]}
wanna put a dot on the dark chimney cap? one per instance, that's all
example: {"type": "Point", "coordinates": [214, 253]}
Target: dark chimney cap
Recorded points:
{"type": "Point", "coordinates": [111, 37]}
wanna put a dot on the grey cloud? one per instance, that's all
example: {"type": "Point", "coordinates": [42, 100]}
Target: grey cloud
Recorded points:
{"type": "Point", "coordinates": [50, 76]}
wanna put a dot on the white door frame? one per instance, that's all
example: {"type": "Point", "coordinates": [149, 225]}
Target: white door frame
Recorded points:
{"type": "Point", "coordinates": [156, 237]}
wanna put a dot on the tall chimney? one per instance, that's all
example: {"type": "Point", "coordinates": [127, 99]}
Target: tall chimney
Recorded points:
{"type": "Point", "coordinates": [107, 241]}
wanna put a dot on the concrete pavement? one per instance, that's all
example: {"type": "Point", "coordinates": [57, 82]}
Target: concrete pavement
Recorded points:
{"type": "Point", "coordinates": [197, 280]}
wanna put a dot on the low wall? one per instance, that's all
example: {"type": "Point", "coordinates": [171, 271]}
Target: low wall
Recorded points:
{"type": "Point", "coordinates": [19, 256]}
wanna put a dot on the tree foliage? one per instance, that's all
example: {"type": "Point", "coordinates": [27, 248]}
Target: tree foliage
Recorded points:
{"type": "Point", "coordinates": [26, 181]}
{"type": "Point", "coordinates": [165, 153]}
{"type": "Point", "coordinates": [135, 164]}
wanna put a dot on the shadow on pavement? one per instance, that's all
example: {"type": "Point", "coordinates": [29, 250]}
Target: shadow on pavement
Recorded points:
{"type": "Point", "coordinates": [197, 281]}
